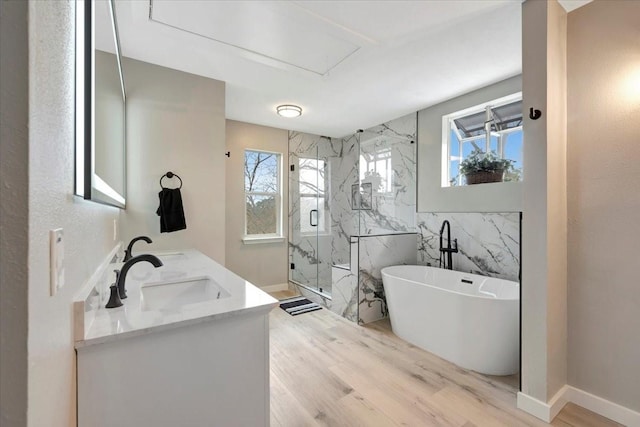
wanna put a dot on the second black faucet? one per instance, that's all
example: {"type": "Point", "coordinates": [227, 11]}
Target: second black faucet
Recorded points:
{"type": "Point", "coordinates": [127, 252]}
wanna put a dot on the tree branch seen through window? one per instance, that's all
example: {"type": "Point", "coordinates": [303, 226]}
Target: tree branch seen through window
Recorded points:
{"type": "Point", "coordinates": [262, 192]}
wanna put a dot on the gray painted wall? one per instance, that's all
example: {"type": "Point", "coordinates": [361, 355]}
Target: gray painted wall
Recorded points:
{"type": "Point", "coordinates": [432, 197]}
{"type": "Point", "coordinates": [88, 227]}
{"type": "Point", "coordinates": [14, 134]}
{"type": "Point", "coordinates": [603, 176]}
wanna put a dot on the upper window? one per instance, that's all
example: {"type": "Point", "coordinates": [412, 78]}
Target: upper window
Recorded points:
{"type": "Point", "coordinates": [494, 128]}
{"type": "Point", "coordinates": [263, 194]}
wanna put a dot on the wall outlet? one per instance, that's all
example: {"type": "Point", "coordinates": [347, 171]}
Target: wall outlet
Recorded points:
{"type": "Point", "coordinates": [56, 259]}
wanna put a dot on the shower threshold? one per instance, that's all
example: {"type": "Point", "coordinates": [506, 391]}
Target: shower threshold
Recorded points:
{"type": "Point", "coordinates": [309, 288]}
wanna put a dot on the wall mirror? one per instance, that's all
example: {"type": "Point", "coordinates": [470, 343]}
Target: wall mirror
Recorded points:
{"type": "Point", "coordinates": [100, 105]}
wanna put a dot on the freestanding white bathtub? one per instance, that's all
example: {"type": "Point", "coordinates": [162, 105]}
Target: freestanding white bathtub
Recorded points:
{"type": "Point", "coordinates": [467, 319]}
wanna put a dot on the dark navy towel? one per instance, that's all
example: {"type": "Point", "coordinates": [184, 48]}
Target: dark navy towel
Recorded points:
{"type": "Point", "coordinates": [171, 211]}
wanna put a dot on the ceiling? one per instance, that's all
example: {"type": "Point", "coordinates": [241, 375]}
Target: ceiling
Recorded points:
{"type": "Point", "coordinates": [348, 64]}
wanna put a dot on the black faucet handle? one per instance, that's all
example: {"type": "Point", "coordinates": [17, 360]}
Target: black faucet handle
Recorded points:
{"type": "Point", "coordinates": [122, 293]}
{"type": "Point", "coordinates": [114, 297]}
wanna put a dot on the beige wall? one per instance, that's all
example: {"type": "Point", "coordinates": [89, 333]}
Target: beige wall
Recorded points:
{"type": "Point", "coordinates": [604, 200]}
{"type": "Point", "coordinates": [262, 264]}
{"type": "Point", "coordinates": [14, 198]}
{"type": "Point", "coordinates": [544, 201]}
{"type": "Point", "coordinates": [87, 226]}
{"type": "Point", "coordinates": [175, 122]}
{"type": "Point", "coordinates": [556, 198]}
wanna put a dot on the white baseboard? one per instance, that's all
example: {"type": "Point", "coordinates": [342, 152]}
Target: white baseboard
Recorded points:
{"type": "Point", "coordinates": [604, 407]}
{"type": "Point", "coordinates": [276, 288]}
{"type": "Point", "coordinates": [547, 411]}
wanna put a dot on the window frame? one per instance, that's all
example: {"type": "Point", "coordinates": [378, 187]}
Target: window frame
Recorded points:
{"type": "Point", "coordinates": [278, 236]}
{"type": "Point", "coordinates": [448, 127]}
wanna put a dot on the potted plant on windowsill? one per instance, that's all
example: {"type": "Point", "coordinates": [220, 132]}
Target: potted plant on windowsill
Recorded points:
{"type": "Point", "coordinates": [481, 167]}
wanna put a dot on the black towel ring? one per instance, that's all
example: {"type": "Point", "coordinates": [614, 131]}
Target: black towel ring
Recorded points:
{"type": "Point", "coordinates": [170, 175]}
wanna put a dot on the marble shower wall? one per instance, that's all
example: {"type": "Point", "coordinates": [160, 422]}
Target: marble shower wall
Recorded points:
{"type": "Point", "coordinates": [375, 253]}
{"type": "Point", "coordinates": [385, 160]}
{"type": "Point", "coordinates": [388, 165]}
{"type": "Point", "coordinates": [489, 243]}
{"type": "Point", "coordinates": [358, 293]}
{"type": "Point", "coordinates": [344, 220]}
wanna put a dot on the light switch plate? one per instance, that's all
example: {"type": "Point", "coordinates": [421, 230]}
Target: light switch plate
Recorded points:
{"type": "Point", "coordinates": [56, 259]}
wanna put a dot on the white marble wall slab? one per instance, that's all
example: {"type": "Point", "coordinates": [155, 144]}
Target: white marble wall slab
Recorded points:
{"type": "Point", "coordinates": [344, 293]}
{"type": "Point", "coordinates": [375, 253]}
{"type": "Point", "coordinates": [344, 220]}
{"type": "Point", "coordinates": [488, 243]}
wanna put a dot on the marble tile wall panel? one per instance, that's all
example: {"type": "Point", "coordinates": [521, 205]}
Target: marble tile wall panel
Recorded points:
{"type": "Point", "coordinates": [344, 220]}
{"type": "Point", "coordinates": [310, 268]}
{"type": "Point", "coordinates": [344, 298]}
{"type": "Point", "coordinates": [375, 253]}
{"type": "Point", "coordinates": [489, 243]}
{"type": "Point", "coordinates": [403, 127]}
{"type": "Point", "coordinates": [393, 207]}
{"type": "Point", "coordinates": [344, 293]}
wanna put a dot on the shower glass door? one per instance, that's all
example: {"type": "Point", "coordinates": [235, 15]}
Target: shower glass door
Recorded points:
{"type": "Point", "coordinates": [304, 212]}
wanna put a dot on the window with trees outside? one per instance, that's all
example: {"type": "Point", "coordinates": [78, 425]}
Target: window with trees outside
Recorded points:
{"type": "Point", "coordinates": [495, 127]}
{"type": "Point", "coordinates": [263, 194]}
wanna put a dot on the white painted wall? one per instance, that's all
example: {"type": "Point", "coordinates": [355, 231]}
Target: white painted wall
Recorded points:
{"type": "Point", "coordinates": [14, 201]}
{"type": "Point", "coordinates": [603, 202]}
{"type": "Point", "coordinates": [262, 264]}
{"type": "Point", "coordinates": [87, 226]}
{"type": "Point", "coordinates": [544, 201]}
{"type": "Point", "coordinates": [175, 122]}
{"type": "Point", "coordinates": [432, 197]}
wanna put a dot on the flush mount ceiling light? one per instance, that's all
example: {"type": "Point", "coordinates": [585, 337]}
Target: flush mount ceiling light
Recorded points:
{"type": "Point", "coordinates": [289, 110]}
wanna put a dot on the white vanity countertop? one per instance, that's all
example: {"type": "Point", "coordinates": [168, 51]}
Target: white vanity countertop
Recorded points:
{"type": "Point", "coordinates": [132, 319]}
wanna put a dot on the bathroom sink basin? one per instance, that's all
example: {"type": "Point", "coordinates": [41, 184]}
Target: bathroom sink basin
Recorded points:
{"type": "Point", "coordinates": [172, 294]}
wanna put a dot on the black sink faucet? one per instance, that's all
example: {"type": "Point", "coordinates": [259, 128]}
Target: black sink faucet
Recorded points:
{"type": "Point", "coordinates": [127, 265]}
{"type": "Point", "coordinates": [448, 262]}
{"type": "Point", "coordinates": [127, 252]}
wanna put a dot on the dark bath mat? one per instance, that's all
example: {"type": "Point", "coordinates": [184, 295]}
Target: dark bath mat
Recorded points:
{"type": "Point", "coordinates": [299, 305]}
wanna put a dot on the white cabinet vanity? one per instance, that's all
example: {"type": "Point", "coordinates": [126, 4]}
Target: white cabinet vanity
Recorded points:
{"type": "Point", "coordinates": [189, 347]}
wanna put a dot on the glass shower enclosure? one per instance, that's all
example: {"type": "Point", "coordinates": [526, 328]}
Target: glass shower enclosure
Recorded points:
{"type": "Point", "coordinates": [344, 189]}
{"type": "Point", "coordinates": [309, 212]}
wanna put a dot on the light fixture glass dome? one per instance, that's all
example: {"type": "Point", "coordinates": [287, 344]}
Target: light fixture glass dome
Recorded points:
{"type": "Point", "coordinates": [289, 110]}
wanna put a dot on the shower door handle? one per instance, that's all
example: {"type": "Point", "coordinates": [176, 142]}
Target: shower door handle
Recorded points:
{"type": "Point", "coordinates": [311, 217]}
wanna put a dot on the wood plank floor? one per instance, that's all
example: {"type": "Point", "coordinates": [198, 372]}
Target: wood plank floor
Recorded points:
{"type": "Point", "coordinates": [327, 371]}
